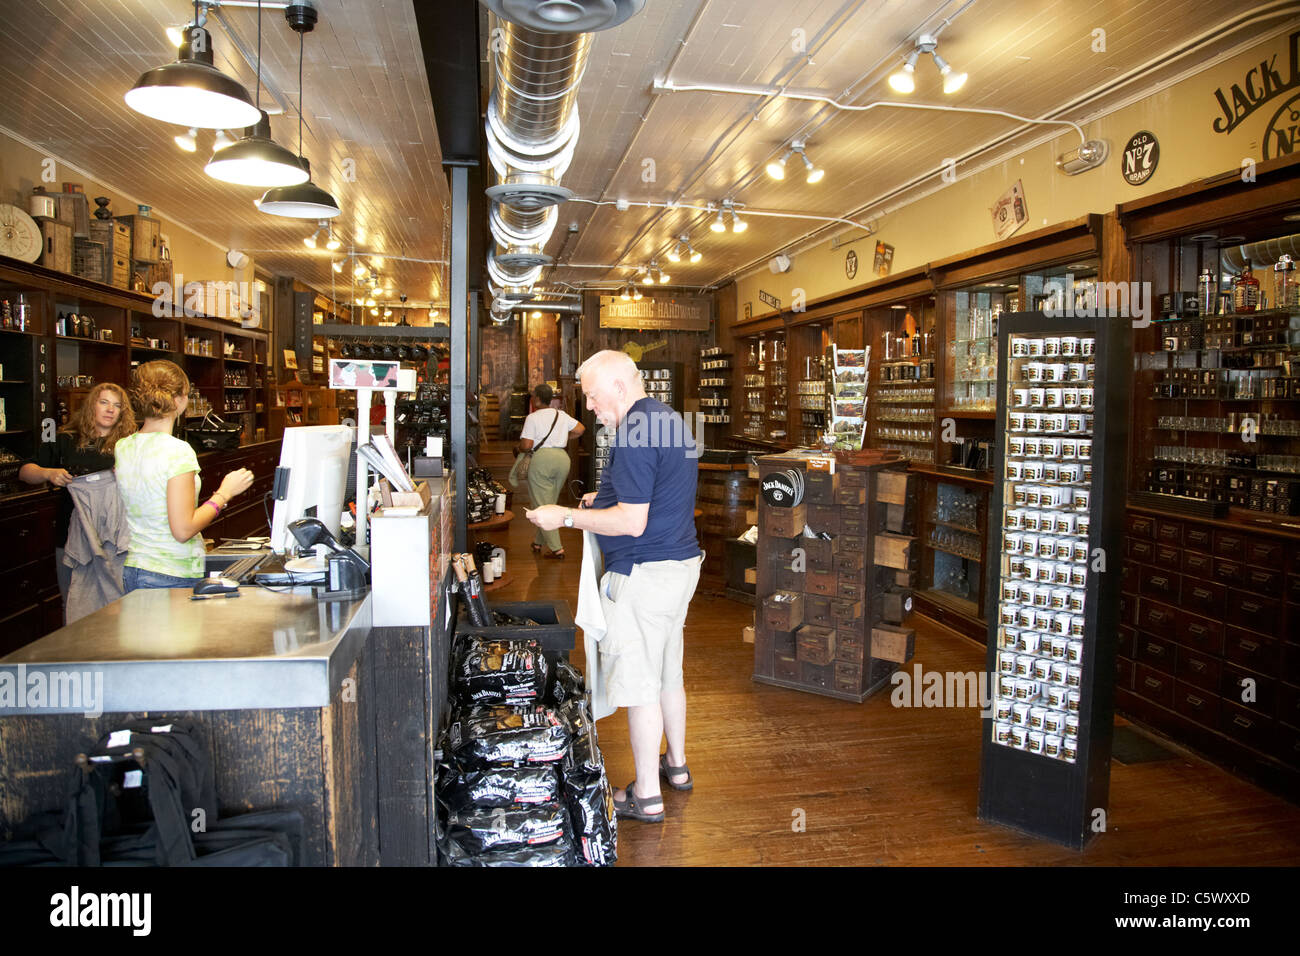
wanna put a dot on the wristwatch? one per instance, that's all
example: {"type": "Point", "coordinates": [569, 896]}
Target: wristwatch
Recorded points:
{"type": "Point", "coordinates": [568, 518]}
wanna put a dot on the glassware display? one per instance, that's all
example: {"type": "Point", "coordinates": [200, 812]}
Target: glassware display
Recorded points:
{"type": "Point", "coordinates": [1045, 559]}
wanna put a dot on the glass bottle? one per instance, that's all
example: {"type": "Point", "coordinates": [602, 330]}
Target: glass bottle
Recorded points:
{"type": "Point", "coordinates": [1207, 291]}
{"type": "Point", "coordinates": [1286, 295]}
{"type": "Point", "coordinates": [6, 315]}
{"type": "Point", "coordinates": [1245, 292]}
{"type": "Point", "coordinates": [927, 344]}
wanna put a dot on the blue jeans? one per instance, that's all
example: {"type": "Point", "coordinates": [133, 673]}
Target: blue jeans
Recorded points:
{"type": "Point", "coordinates": [133, 578]}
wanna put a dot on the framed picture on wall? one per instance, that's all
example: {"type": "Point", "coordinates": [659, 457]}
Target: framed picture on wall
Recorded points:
{"type": "Point", "coordinates": [291, 359]}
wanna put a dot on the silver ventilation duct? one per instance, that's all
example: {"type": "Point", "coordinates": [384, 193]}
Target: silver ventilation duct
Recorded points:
{"type": "Point", "coordinates": [1261, 254]}
{"type": "Point", "coordinates": [539, 51]}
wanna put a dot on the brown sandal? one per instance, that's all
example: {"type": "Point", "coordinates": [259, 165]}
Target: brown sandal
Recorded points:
{"type": "Point", "coordinates": [631, 808]}
{"type": "Point", "coordinates": [668, 773]}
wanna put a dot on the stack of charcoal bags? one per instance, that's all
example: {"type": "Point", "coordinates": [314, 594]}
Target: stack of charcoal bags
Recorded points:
{"type": "Point", "coordinates": [521, 781]}
{"type": "Point", "coordinates": [145, 796]}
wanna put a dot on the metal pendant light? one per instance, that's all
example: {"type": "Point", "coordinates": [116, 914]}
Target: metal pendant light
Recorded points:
{"type": "Point", "coordinates": [304, 200]}
{"type": "Point", "coordinates": [256, 159]}
{"type": "Point", "coordinates": [191, 91]}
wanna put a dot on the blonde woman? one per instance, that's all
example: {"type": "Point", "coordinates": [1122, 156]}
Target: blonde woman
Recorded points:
{"type": "Point", "coordinates": [158, 477]}
{"type": "Point", "coordinates": [83, 446]}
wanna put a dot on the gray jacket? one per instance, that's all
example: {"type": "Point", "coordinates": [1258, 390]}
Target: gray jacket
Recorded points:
{"type": "Point", "coordinates": [98, 538]}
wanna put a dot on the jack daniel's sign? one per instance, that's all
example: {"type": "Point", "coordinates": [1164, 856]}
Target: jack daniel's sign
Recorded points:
{"type": "Point", "coordinates": [1261, 86]}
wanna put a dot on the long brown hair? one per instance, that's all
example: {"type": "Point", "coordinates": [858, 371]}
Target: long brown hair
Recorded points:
{"type": "Point", "coordinates": [155, 386]}
{"type": "Point", "coordinates": [82, 422]}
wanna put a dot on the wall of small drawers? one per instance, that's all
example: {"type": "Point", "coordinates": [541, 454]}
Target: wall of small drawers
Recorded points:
{"type": "Point", "coordinates": [1209, 642]}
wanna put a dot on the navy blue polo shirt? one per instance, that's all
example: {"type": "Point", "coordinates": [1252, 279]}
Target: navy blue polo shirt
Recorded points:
{"type": "Point", "coordinates": [653, 460]}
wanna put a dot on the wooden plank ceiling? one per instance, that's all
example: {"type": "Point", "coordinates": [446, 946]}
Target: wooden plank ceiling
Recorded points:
{"type": "Point", "coordinates": [65, 65]}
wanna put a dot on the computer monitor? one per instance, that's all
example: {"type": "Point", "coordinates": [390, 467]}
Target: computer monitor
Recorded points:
{"type": "Point", "coordinates": [312, 479]}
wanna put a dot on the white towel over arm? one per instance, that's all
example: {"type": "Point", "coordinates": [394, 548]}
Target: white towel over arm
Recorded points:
{"type": "Point", "coordinates": [591, 618]}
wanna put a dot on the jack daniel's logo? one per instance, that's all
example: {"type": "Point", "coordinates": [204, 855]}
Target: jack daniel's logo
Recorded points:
{"type": "Point", "coordinates": [1260, 85]}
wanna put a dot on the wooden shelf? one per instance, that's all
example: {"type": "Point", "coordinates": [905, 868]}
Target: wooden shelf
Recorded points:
{"type": "Point", "coordinates": [494, 524]}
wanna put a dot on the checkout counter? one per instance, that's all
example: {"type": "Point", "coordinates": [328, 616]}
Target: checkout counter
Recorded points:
{"type": "Point", "coordinates": [305, 705]}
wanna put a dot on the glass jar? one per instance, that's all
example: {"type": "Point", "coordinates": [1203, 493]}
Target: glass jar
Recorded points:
{"type": "Point", "coordinates": [1286, 295]}
{"type": "Point", "coordinates": [1207, 291]}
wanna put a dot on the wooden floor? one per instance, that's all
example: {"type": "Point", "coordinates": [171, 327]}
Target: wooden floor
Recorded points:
{"type": "Point", "coordinates": [878, 784]}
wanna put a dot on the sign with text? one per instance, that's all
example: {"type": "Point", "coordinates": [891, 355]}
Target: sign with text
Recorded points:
{"type": "Point", "coordinates": [683, 313]}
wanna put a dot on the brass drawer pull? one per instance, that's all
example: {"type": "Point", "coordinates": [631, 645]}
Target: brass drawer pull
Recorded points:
{"type": "Point", "coordinates": [1197, 629]}
{"type": "Point", "coordinates": [1197, 665]}
{"type": "Point", "coordinates": [1153, 683]}
{"type": "Point", "coordinates": [1243, 721]}
{"type": "Point", "coordinates": [1155, 649]}
{"type": "Point", "coordinates": [1201, 594]}
{"type": "Point", "coordinates": [1194, 700]}
{"type": "Point", "coordinates": [1250, 607]}
{"type": "Point", "coordinates": [1248, 646]}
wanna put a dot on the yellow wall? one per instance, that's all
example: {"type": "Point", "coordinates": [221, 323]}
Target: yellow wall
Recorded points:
{"type": "Point", "coordinates": [956, 217]}
{"type": "Point", "coordinates": [193, 256]}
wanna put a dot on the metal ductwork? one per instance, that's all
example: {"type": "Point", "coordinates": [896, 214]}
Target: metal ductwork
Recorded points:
{"type": "Point", "coordinates": [539, 51]}
{"type": "Point", "coordinates": [1261, 254]}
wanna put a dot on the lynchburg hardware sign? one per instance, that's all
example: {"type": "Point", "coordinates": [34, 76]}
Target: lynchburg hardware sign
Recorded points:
{"type": "Point", "coordinates": [683, 313]}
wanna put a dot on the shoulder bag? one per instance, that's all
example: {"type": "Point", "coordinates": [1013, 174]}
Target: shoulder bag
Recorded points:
{"type": "Point", "coordinates": [520, 471]}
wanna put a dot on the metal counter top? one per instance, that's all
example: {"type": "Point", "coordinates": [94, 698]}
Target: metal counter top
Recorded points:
{"type": "Point", "coordinates": [156, 649]}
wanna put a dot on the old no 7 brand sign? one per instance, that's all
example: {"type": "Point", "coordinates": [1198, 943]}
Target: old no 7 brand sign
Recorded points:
{"type": "Point", "coordinates": [1141, 154]}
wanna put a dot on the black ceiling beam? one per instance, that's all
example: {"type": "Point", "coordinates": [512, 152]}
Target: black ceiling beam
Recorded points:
{"type": "Point", "coordinates": [450, 44]}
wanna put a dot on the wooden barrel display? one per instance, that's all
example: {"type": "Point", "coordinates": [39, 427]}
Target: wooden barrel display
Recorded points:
{"type": "Point", "coordinates": [724, 494]}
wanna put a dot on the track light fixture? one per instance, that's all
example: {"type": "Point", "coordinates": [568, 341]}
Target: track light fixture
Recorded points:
{"type": "Point", "coordinates": [776, 168]}
{"type": "Point", "coordinates": [682, 247]}
{"type": "Point", "coordinates": [188, 140]}
{"type": "Point", "coordinates": [903, 80]}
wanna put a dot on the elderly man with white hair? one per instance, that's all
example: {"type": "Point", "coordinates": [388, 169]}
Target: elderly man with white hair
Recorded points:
{"type": "Point", "coordinates": [643, 515]}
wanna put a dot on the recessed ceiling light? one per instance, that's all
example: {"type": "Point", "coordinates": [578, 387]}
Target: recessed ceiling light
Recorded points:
{"type": "Point", "coordinates": [1231, 240]}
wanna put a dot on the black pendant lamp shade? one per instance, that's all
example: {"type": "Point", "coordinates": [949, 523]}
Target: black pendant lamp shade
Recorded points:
{"type": "Point", "coordinates": [256, 160]}
{"type": "Point", "coordinates": [193, 92]}
{"type": "Point", "coordinates": [302, 201]}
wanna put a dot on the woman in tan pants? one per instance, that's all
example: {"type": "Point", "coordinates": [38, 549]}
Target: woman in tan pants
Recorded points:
{"type": "Point", "coordinates": [547, 432]}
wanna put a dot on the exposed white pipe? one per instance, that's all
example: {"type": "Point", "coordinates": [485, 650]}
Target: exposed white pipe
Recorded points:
{"type": "Point", "coordinates": [713, 207]}
{"type": "Point", "coordinates": [670, 86]}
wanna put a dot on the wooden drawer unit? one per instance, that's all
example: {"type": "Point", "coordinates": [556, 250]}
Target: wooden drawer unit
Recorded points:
{"type": "Point", "coordinates": [1265, 553]}
{"type": "Point", "coordinates": [1156, 618]}
{"type": "Point", "coordinates": [852, 478]}
{"type": "Point", "coordinates": [817, 611]}
{"type": "Point", "coordinates": [1237, 683]}
{"type": "Point", "coordinates": [819, 553]}
{"type": "Point", "coordinates": [846, 612]}
{"type": "Point", "coordinates": [820, 487]}
{"type": "Point", "coordinates": [1202, 670]}
{"type": "Point", "coordinates": [1126, 642]}
{"type": "Point", "coordinates": [1200, 634]}
{"type": "Point", "coordinates": [1169, 532]}
{"type": "Point", "coordinates": [1154, 686]}
{"type": "Point", "coordinates": [788, 579]}
{"type": "Point", "coordinates": [849, 587]}
{"type": "Point", "coordinates": [1250, 650]}
{"type": "Point", "coordinates": [824, 518]}
{"type": "Point", "coordinates": [1127, 608]}
{"type": "Point", "coordinates": [849, 562]}
{"type": "Point", "coordinates": [850, 646]}
{"type": "Point", "coordinates": [1197, 565]}
{"type": "Point", "coordinates": [852, 523]}
{"type": "Point", "coordinates": [1124, 671]}
{"type": "Point", "coordinates": [847, 497]}
{"type": "Point", "coordinates": [1159, 583]}
{"type": "Point", "coordinates": [1141, 526]}
{"type": "Point", "coordinates": [850, 543]}
{"type": "Point", "coordinates": [1155, 652]}
{"type": "Point", "coordinates": [784, 522]}
{"type": "Point", "coordinates": [1196, 704]}
{"type": "Point", "coordinates": [815, 645]}
{"type": "Point", "coordinates": [1288, 704]}
{"type": "Point", "coordinates": [825, 583]}
{"type": "Point", "coordinates": [782, 611]}
{"type": "Point", "coordinates": [1228, 571]}
{"type": "Point", "coordinates": [785, 667]}
{"type": "Point", "coordinates": [1246, 726]}
{"type": "Point", "coordinates": [848, 676]}
{"type": "Point", "coordinates": [1267, 581]}
{"type": "Point", "coordinates": [1197, 538]}
{"type": "Point", "coordinates": [1205, 598]}
{"type": "Point", "coordinates": [1254, 611]}
{"type": "Point", "coordinates": [1169, 557]}
{"type": "Point", "coordinates": [783, 642]}
{"type": "Point", "coordinates": [1230, 544]}
{"type": "Point", "coordinates": [1141, 550]}
{"type": "Point", "coordinates": [816, 675]}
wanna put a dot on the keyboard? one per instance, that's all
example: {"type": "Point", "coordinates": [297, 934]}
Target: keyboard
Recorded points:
{"type": "Point", "coordinates": [242, 569]}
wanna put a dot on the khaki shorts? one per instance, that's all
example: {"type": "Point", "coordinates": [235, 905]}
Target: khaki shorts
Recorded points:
{"type": "Point", "coordinates": [641, 652]}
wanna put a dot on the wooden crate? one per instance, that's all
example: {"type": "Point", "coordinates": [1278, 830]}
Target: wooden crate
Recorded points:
{"type": "Point", "coordinates": [894, 550]}
{"type": "Point", "coordinates": [782, 615]}
{"type": "Point", "coordinates": [891, 487]}
{"type": "Point", "coordinates": [892, 643]}
{"type": "Point", "coordinates": [88, 259]}
{"type": "Point", "coordinates": [115, 236]}
{"type": "Point", "coordinates": [785, 522]}
{"type": "Point", "coordinates": [56, 245]}
{"type": "Point", "coordinates": [146, 243]}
